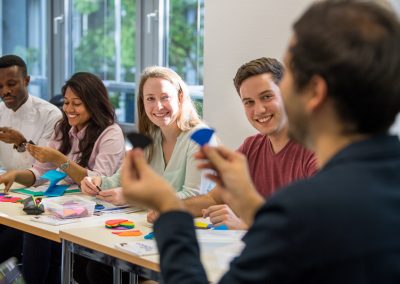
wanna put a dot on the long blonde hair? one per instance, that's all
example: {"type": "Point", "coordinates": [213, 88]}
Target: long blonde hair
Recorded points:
{"type": "Point", "coordinates": [187, 117]}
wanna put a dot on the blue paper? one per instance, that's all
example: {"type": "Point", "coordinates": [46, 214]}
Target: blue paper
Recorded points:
{"type": "Point", "coordinates": [54, 177]}
{"type": "Point", "coordinates": [149, 236]}
{"type": "Point", "coordinates": [99, 207]}
{"type": "Point", "coordinates": [221, 228]}
{"type": "Point", "coordinates": [56, 190]}
{"type": "Point", "coordinates": [202, 136]}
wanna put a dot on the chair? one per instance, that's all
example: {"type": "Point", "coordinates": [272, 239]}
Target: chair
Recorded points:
{"type": "Point", "coordinates": [57, 100]}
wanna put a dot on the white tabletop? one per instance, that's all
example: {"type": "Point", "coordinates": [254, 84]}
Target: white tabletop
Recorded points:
{"type": "Point", "coordinates": [214, 255]}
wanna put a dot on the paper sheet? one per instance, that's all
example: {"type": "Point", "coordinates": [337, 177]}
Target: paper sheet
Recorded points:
{"type": "Point", "coordinates": [52, 220]}
{"type": "Point", "coordinates": [141, 248]}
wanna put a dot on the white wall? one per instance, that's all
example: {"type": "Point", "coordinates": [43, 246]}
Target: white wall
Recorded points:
{"type": "Point", "coordinates": [237, 31]}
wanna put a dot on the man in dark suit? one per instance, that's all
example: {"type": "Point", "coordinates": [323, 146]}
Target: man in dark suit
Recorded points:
{"type": "Point", "coordinates": [341, 91]}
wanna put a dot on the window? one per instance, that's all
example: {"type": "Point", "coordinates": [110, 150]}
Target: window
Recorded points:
{"type": "Point", "coordinates": [115, 39]}
{"type": "Point", "coordinates": [102, 41]}
{"type": "Point", "coordinates": [26, 36]}
{"type": "Point", "coordinates": [185, 44]}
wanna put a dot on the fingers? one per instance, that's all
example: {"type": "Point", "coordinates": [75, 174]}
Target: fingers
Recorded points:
{"type": "Point", "coordinates": [199, 155]}
{"type": "Point", "coordinates": [205, 213]}
{"type": "Point", "coordinates": [213, 156]}
{"type": "Point", "coordinates": [128, 170]}
{"type": "Point", "coordinates": [211, 210]}
{"type": "Point", "coordinates": [108, 198]}
{"type": "Point", "coordinates": [206, 165]}
{"type": "Point", "coordinates": [152, 216]}
{"type": "Point", "coordinates": [88, 187]}
{"type": "Point", "coordinates": [105, 198]}
{"type": "Point", "coordinates": [218, 156]}
{"type": "Point", "coordinates": [219, 214]}
{"type": "Point", "coordinates": [113, 196]}
{"type": "Point", "coordinates": [106, 194]}
{"type": "Point", "coordinates": [139, 160]}
{"type": "Point", "coordinates": [214, 178]}
{"type": "Point", "coordinates": [8, 185]}
{"type": "Point", "coordinates": [134, 166]}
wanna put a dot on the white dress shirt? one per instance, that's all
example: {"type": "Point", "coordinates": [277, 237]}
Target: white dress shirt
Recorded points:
{"type": "Point", "coordinates": [35, 119]}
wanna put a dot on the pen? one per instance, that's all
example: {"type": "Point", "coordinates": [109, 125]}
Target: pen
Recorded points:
{"type": "Point", "coordinates": [115, 208]}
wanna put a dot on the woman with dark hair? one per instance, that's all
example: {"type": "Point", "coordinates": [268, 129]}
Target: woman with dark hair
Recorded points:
{"type": "Point", "coordinates": [86, 142]}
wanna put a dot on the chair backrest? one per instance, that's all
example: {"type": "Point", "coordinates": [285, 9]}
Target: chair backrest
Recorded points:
{"type": "Point", "coordinates": [57, 100]}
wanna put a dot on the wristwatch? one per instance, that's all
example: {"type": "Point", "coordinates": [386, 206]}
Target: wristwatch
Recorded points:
{"type": "Point", "coordinates": [64, 166]}
{"type": "Point", "coordinates": [22, 147]}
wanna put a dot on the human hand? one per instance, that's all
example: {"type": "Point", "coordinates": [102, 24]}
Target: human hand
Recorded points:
{"type": "Point", "coordinates": [8, 179]}
{"type": "Point", "coordinates": [46, 154]}
{"type": "Point", "coordinates": [114, 196]}
{"type": "Point", "coordinates": [152, 216]}
{"type": "Point", "coordinates": [11, 136]}
{"type": "Point", "coordinates": [223, 215]}
{"type": "Point", "coordinates": [89, 185]}
{"type": "Point", "coordinates": [142, 185]}
{"type": "Point", "coordinates": [233, 180]}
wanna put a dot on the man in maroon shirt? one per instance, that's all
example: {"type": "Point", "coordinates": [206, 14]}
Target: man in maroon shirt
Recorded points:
{"type": "Point", "coordinates": [274, 159]}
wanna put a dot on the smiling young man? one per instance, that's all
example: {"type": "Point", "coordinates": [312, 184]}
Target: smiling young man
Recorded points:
{"type": "Point", "coordinates": [22, 117]}
{"type": "Point", "coordinates": [274, 159]}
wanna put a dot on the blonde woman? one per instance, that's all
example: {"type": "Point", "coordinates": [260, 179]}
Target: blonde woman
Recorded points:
{"type": "Point", "coordinates": [167, 114]}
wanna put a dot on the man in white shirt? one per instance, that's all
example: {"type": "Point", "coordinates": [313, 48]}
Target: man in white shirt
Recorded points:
{"type": "Point", "coordinates": [22, 117]}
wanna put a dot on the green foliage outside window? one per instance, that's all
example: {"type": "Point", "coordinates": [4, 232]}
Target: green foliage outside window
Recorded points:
{"type": "Point", "coordinates": [186, 40]}
{"type": "Point", "coordinates": [95, 47]}
{"type": "Point", "coordinates": [96, 50]}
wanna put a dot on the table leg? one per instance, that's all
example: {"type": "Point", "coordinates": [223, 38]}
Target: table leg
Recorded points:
{"type": "Point", "coordinates": [65, 264]}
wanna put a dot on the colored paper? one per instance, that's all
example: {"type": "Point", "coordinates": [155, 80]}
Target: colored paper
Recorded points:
{"type": "Point", "coordinates": [53, 176]}
{"type": "Point", "coordinates": [39, 193]}
{"type": "Point", "coordinates": [56, 190]}
{"type": "Point", "coordinates": [202, 225]}
{"type": "Point", "coordinates": [119, 224]}
{"type": "Point", "coordinates": [149, 236]}
{"type": "Point", "coordinates": [133, 233]}
{"type": "Point", "coordinates": [221, 228]}
{"type": "Point", "coordinates": [7, 198]}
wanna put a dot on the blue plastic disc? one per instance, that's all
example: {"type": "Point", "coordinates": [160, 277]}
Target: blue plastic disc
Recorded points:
{"type": "Point", "coordinates": [202, 136]}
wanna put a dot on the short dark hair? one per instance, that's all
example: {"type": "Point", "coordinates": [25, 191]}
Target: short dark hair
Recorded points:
{"type": "Point", "coordinates": [13, 60]}
{"type": "Point", "coordinates": [355, 47]}
{"type": "Point", "coordinates": [256, 67]}
{"type": "Point", "coordinates": [94, 95]}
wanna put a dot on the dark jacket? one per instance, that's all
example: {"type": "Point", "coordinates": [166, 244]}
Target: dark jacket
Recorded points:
{"type": "Point", "coordinates": [340, 226]}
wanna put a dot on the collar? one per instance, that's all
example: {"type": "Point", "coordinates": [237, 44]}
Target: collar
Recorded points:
{"type": "Point", "coordinates": [26, 107]}
{"type": "Point", "coordinates": [74, 133]}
